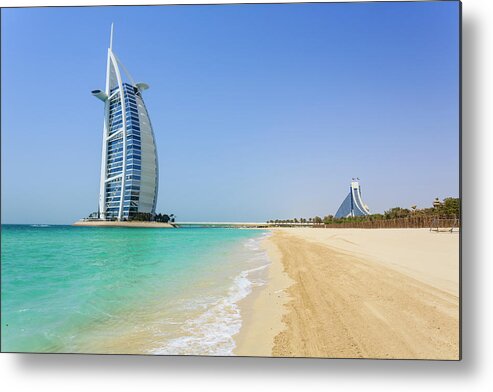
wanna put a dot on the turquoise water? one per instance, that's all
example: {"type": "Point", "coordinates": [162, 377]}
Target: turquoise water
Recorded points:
{"type": "Point", "coordinates": [124, 290]}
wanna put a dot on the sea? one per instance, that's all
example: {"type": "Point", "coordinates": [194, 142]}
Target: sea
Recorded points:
{"type": "Point", "coordinates": [126, 290]}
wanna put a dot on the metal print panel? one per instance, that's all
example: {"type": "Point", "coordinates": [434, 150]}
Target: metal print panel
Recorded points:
{"type": "Point", "coordinates": [306, 199]}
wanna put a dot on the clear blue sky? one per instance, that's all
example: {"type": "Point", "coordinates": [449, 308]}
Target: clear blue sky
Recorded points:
{"type": "Point", "coordinates": [259, 111]}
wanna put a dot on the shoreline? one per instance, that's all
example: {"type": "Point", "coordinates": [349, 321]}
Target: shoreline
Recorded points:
{"type": "Point", "coordinates": [263, 309]}
{"type": "Point", "coordinates": [385, 293]}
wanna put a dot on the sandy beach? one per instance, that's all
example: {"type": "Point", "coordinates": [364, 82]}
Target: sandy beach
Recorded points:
{"type": "Point", "coordinates": [355, 293]}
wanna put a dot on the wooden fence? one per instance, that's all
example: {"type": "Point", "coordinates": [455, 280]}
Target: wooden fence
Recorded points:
{"type": "Point", "coordinates": [428, 222]}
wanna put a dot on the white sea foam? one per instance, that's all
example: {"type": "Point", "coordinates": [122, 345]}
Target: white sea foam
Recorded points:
{"type": "Point", "coordinates": [211, 333]}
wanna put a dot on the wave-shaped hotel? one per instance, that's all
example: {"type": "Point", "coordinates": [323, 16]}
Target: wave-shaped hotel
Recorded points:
{"type": "Point", "coordinates": [353, 204]}
{"type": "Point", "coordinates": [129, 163]}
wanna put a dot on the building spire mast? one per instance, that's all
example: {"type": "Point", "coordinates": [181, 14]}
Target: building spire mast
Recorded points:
{"type": "Point", "coordinates": [111, 38]}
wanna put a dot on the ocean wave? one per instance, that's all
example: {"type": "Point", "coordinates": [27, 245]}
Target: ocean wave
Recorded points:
{"type": "Point", "coordinates": [211, 333]}
{"type": "Point", "coordinates": [255, 243]}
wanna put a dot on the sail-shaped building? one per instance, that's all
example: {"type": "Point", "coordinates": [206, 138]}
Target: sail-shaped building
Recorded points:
{"type": "Point", "coordinates": [129, 164]}
{"type": "Point", "coordinates": [353, 204]}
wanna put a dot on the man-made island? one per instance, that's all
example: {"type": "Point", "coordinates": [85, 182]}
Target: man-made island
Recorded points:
{"type": "Point", "coordinates": [142, 224]}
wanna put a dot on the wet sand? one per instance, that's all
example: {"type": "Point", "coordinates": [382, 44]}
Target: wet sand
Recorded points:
{"type": "Point", "coordinates": [355, 293]}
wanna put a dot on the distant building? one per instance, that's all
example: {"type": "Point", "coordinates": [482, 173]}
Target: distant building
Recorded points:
{"type": "Point", "coordinates": [353, 204]}
{"type": "Point", "coordinates": [129, 165]}
{"type": "Point", "coordinates": [437, 203]}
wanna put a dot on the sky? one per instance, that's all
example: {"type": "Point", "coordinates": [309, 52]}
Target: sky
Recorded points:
{"type": "Point", "coordinates": [259, 111]}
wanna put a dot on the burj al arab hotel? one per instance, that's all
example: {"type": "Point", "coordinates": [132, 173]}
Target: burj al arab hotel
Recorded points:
{"type": "Point", "coordinates": [129, 165]}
